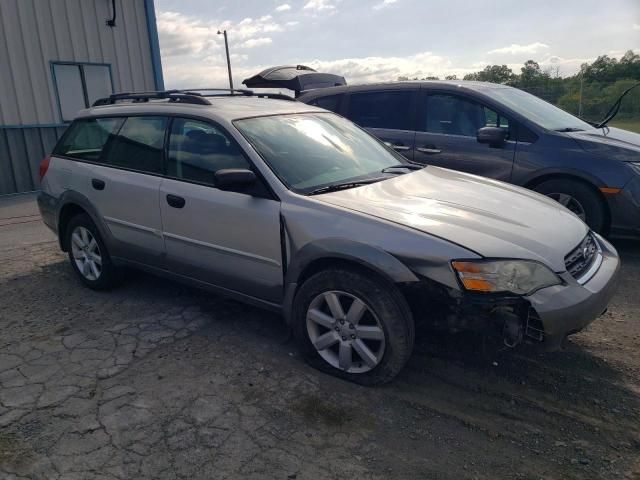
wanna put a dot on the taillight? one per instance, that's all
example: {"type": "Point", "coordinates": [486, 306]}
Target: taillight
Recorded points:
{"type": "Point", "coordinates": [44, 166]}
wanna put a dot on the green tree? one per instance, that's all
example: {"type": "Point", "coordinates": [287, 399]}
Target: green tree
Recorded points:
{"type": "Point", "coordinates": [494, 74]}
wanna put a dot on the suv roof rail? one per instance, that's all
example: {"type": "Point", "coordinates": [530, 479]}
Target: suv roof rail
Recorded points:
{"type": "Point", "coordinates": [196, 96]}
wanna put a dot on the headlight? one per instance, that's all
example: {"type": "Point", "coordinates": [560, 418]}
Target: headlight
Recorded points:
{"type": "Point", "coordinates": [635, 166]}
{"type": "Point", "coordinates": [522, 277]}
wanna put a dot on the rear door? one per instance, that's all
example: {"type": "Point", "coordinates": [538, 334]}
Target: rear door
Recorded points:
{"type": "Point", "coordinates": [124, 186]}
{"type": "Point", "coordinates": [224, 238]}
{"type": "Point", "coordinates": [446, 135]}
{"type": "Point", "coordinates": [388, 114]}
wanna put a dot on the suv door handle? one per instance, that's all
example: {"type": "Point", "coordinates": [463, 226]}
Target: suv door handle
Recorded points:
{"type": "Point", "coordinates": [431, 149]}
{"type": "Point", "coordinates": [397, 146]}
{"type": "Point", "coordinates": [97, 183]}
{"type": "Point", "coordinates": [175, 201]}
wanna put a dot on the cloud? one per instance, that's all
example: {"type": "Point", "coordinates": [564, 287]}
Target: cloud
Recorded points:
{"type": "Point", "coordinates": [516, 49]}
{"type": "Point", "coordinates": [293, 23]}
{"type": "Point", "coordinates": [256, 42]}
{"type": "Point", "coordinates": [384, 4]}
{"type": "Point", "coordinates": [636, 26]}
{"type": "Point", "coordinates": [319, 5]}
{"type": "Point", "coordinates": [283, 8]}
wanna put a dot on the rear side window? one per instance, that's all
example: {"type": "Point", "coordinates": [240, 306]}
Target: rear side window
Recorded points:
{"type": "Point", "coordinates": [86, 138]}
{"type": "Point", "coordinates": [138, 145]}
{"type": "Point", "coordinates": [388, 109]}
{"type": "Point", "coordinates": [331, 102]}
{"type": "Point", "coordinates": [198, 149]}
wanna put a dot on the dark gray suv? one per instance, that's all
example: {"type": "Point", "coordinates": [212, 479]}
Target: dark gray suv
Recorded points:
{"type": "Point", "coordinates": [506, 134]}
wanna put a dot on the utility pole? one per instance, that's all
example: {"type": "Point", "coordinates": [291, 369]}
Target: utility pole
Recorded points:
{"type": "Point", "coordinates": [581, 84]}
{"type": "Point", "coordinates": [226, 47]}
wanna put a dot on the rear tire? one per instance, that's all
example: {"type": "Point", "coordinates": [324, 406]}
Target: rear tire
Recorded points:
{"type": "Point", "coordinates": [579, 198]}
{"type": "Point", "coordinates": [88, 254]}
{"type": "Point", "coordinates": [375, 331]}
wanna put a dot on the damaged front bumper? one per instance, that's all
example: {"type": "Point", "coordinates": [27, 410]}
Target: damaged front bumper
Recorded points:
{"type": "Point", "coordinates": [546, 317]}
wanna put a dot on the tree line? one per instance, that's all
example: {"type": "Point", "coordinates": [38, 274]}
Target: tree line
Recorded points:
{"type": "Point", "coordinates": [589, 93]}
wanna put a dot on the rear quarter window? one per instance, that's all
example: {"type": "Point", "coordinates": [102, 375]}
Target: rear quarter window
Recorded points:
{"type": "Point", "coordinates": [86, 138]}
{"type": "Point", "coordinates": [330, 102]}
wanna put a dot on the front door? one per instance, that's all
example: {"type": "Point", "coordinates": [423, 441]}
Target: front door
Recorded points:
{"type": "Point", "coordinates": [446, 136]}
{"type": "Point", "coordinates": [387, 114]}
{"type": "Point", "coordinates": [228, 239]}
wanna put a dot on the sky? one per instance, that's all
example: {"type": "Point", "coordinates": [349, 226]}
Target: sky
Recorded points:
{"type": "Point", "coordinates": [380, 40]}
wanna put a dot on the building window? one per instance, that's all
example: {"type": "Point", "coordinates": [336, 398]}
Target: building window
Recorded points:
{"type": "Point", "coordinates": [78, 85]}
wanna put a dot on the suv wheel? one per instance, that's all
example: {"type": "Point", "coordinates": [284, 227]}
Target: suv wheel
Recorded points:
{"type": "Point", "coordinates": [353, 325]}
{"type": "Point", "coordinates": [88, 254]}
{"type": "Point", "coordinates": [577, 197]}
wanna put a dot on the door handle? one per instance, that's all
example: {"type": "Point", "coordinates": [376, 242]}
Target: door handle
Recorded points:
{"type": "Point", "coordinates": [397, 146]}
{"type": "Point", "coordinates": [175, 201]}
{"type": "Point", "coordinates": [97, 183]}
{"type": "Point", "coordinates": [430, 149]}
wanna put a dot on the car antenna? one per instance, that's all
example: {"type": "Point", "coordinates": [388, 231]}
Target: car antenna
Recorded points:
{"type": "Point", "coordinates": [613, 111]}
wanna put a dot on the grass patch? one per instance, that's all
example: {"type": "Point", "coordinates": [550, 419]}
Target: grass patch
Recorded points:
{"type": "Point", "coordinates": [632, 125]}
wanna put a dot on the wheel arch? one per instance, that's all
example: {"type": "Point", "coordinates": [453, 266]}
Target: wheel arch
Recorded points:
{"type": "Point", "coordinates": [72, 204]}
{"type": "Point", "coordinates": [586, 180]}
{"type": "Point", "coordinates": [329, 253]}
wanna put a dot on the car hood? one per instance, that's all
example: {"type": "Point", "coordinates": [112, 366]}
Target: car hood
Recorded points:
{"type": "Point", "coordinates": [491, 218]}
{"type": "Point", "coordinates": [610, 142]}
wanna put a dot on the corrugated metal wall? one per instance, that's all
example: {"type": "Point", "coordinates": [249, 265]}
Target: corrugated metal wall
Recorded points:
{"type": "Point", "coordinates": [36, 32]}
{"type": "Point", "coordinates": [21, 150]}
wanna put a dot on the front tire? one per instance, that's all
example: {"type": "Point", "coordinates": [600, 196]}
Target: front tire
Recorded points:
{"type": "Point", "coordinates": [88, 254]}
{"type": "Point", "coordinates": [353, 325]}
{"type": "Point", "coordinates": [579, 198]}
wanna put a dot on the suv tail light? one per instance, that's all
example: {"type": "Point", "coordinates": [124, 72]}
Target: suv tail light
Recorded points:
{"type": "Point", "coordinates": [44, 166]}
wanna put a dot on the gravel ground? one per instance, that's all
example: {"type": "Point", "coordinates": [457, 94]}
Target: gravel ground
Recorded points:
{"type": "Point", "coordinates": [157, 380]}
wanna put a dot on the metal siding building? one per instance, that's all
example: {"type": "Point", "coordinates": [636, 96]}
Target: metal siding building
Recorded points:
{"type": "Point", "coordinates": [57, 56]}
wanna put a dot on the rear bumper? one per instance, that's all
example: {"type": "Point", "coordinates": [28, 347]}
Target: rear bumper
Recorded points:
{"type": "Point", "coordinates": [567, 309]}
{"type": "Point", "coordinates": [48, 207]}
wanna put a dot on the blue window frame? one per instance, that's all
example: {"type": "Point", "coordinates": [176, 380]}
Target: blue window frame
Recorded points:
{"type": "Point", "coordinates": [79, 84]}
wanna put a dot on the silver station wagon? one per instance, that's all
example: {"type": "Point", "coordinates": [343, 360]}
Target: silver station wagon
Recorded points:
{"type": "Point", "coordinates": [296, 209]}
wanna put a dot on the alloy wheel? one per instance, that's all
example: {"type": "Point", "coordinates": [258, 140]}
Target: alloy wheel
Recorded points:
{"type": "Point", "coordinates": [86, 253]}
{"type": "Point", "coordinates": [570, 203]}
{"type": "Point", "coordinates": [345, 332]}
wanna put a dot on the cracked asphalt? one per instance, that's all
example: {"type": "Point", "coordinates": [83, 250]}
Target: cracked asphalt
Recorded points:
{"type": "Point", "coordinates": [158, 380]}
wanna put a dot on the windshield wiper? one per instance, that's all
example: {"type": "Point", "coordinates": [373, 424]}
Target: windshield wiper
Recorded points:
{"type": "Point", "coordinates": [569, 129]}
{"type": "Point", "coordinates": [344, 185]}
{"type": "Point", "coordinates": [408, 166]}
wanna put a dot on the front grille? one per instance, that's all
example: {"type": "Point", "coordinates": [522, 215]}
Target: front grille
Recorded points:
{"type": "Point", "coordinates": [581, 258]}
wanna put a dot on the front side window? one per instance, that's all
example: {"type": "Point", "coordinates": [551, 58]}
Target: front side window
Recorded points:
{"type": "Point", "coordinates": [198, 149]}
{"type": "Point", "coordinates": [308, 151]}
{"type": "Point", "coordinates": [453, 115]}
{"type": "Point", "coordinates": [387, 109]}
{"type": "Point", "coordinates": [138, 145]}
{"type": "Point", "coordinates": [86, 138]}
{"type": "Point", "coordinates": [79, 85]}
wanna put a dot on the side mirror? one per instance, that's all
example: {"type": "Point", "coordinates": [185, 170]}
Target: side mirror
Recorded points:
{"type": "Point", "coordinates": [234, 179]}
{"type": "Point", "coordinates": [494, 136]}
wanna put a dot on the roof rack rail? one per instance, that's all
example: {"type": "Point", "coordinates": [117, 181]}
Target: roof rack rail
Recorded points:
{"type": "Point", "coordinates": [178, 96]}
{"type": "Point", "coordinates": [238, 91]}
{"type": "Point", "coordinates": [196, 96]}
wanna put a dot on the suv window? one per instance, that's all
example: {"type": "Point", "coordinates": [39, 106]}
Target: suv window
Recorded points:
{"type": "Point", "coordinates": [331, 102]}
{"type": "Point", "coordinates": [198, 149]}
{"type": "Point", "coordinates": [138, 145]}
{"type": "Point", "coordinates": [387, 109]}
{"type": "Point", "coordinates": [453, 115]}
{"type": "Point", "coordinates": [86, 138]}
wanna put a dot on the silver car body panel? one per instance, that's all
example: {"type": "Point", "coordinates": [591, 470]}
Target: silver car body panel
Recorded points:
{"type": "Point", "coordinates": [408, 227]}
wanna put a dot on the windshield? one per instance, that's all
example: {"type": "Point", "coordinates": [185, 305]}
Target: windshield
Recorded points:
{"type": "Point", "coordinates": [538, 111]}
{"type": "Point", "coordinates": [312, 150]}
